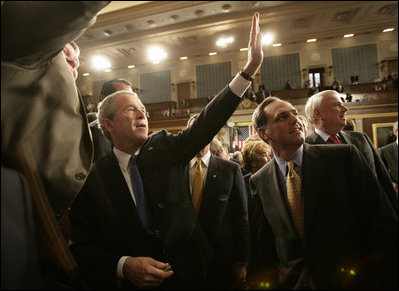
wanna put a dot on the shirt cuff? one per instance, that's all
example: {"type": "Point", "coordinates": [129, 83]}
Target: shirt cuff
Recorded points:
{"type": "Point", "coordinates": [119, 269]}
{"type": "Point", "coordinates": [239, 85]}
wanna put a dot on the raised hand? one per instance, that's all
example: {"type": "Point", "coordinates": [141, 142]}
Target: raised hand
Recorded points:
{"type": "Point", "coordinates": [255, 52]}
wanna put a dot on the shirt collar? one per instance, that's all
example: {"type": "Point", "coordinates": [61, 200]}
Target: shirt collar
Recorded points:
{"type": "Point", "coordinates": [297, 159]}
{"type": "Point", "coordinates": [323, 135]}
{"type": "Point", "coordinates": [123, 158]}
{"type": "Point", "coordinates": [205, 159]}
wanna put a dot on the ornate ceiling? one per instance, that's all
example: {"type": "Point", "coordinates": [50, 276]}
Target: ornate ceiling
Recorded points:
{"type": "Point", "coordinates": [126, 29]}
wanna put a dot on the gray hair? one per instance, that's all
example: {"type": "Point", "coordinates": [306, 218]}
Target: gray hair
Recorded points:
{"type": "Point", "coordinates": [107, 108]}
{"type": "Point", "coordinates": [314, 102]}
{"type": "Point", "coordinates": [216, 146]}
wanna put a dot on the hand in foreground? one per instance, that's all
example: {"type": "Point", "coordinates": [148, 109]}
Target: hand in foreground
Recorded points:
{"type": "Point", "coordinates": [145, 272]}
{"type": "Point", "coordinates": [255, 52]}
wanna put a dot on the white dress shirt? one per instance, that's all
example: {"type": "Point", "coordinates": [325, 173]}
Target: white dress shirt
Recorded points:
{"type": "Point", "coordinates": [323, 135]}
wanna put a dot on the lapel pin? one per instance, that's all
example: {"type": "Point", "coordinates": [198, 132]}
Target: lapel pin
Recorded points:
{"type": "Point", "coordinates": [214, 176]}
{"type": "Point", "coordinates": [150, 148]}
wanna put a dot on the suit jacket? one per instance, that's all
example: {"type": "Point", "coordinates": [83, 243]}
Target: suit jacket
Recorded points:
{"type": "Point", "coordinates": [349, 223]}
{"type": "Point", "coordinates": [101, 144]}
{"type": "Point", "coordinates": [104, 216]}
{"type": "Point", "coordinates": [223, 216]}
{"type": "Point", "coordinates": [369, 152]}
{"type": "Point", "coordinates": [42, 114]}
{"type": "Point", "coordinates": [389, 156]}
{"type": "Point", "coordinates": [19, 261]}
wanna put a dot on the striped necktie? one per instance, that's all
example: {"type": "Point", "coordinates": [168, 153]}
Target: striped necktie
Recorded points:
{"type": "Point", "coordinates": [334, 138]}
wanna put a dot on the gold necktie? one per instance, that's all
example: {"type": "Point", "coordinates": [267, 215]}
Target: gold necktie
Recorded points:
{"type": "Point", "coordinates": [197, 186]}
{"type": "Point", "coordinates": [294, 194]}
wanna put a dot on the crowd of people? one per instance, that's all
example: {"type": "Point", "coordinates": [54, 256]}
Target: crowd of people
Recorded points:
{"type": "Point", "coordinates": [105, 205]}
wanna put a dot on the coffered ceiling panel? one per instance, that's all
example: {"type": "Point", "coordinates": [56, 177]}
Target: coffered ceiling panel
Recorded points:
{"type": "Point", "coordinates": [124, 31]}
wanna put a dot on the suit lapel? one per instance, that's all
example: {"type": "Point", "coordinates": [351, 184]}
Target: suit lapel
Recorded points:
{"type": "Point", "coordinates": [210, 177]}
{"type": "Point", "coordinates": [119, 193]}
{"type": "Point", "coordinates": [272, 196]}
{"type": "Point", "coordinates": [314, 138]}
{"type": "Point", "coordinates": [211, 174]}
{"type": "Point", "coordinates": [347, 138]}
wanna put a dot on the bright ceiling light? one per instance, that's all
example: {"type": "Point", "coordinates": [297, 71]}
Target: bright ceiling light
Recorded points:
{"type": "Point", "coordinates": [276, 44]}
{"type": "Point", "coordinates": [108, 70]}
{"type": "Point", "coordinates": [86, 74]}
{"type": "Point", "coordinates": [184, 58]}
{"type": "Point", "coordinates": [213, 53]}
{"type": "Point", "coordinates": [388, 29]}
{"type": "Point", "coordinates": [244, 49]}
{"type": "Point", "coordinates": [349, 35]}
{"type": "Point", "coordinates": [224, 42]}
{"type": "Point", "coordinates": [131, 66]}
{"type": "Point", "coordinates": [156, 54]}
{"type": "Point", "coordinates": [312, 40]}
{"type": "Point", "coordinates": [100, 63]}
{"type": "Point", "coordinates": [267, 38]}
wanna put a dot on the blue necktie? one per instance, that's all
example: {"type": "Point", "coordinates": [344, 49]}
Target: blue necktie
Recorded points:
{"type": "Point", "coordinates": [138, 190]}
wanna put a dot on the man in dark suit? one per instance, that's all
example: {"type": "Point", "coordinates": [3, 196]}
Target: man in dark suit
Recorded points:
{"type": "Point", "coordinates": [222, 212]}
{"type": "Point", "coordinates": [101, 144]}
{"type": "Point", "coordinates": [389, 156]}
{"type": "Point", "coordinates": [113, 239]}
{"type": "Point", "coordinates": [326, 111]}
{"type": "Point", "coordinates": [342, 231]}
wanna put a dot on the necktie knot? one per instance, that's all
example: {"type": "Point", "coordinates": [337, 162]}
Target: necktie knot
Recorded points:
{"type": "Point", "coordinates": [334, 138]}
{"type": "Point", "coordinates": [290, 166]}
{"type": "Point", "coordinates": [199, 163]}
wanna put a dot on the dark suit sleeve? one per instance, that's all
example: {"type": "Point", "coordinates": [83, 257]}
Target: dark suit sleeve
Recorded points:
{"type": "Point", "coordinates": [180, 148]}
{"type": "Point", "coordinates": [383, 176]}
{"type": "Point", "coordinates": [19, 260]}
{"type": "Point", "coordinates": [40, 29]}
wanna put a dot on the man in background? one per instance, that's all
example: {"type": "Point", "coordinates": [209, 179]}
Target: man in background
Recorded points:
{"type": "Point", "coordinates": [327, 112]}
{"type": "Point", "coordinates": [219, 200]}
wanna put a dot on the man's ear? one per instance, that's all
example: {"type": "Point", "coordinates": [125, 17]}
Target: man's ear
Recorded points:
{"type": "Point", "coordinates": [317, 114]}
{"type": "Point", "coordinates": [262, 132]}
{"type": "Point", "coordinates": [107, 124]}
